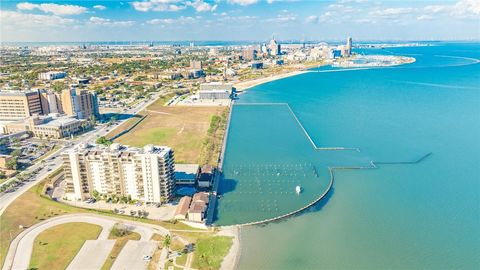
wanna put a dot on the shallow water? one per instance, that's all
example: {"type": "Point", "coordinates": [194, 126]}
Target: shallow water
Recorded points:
{"type": "Point", "coordinates": [425, 215]}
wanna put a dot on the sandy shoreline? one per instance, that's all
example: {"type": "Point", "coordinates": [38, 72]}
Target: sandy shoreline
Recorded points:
{"type": "Point", "coordinates": [241, 86]}
{"type": "Point", "coordinates": [230, 261]}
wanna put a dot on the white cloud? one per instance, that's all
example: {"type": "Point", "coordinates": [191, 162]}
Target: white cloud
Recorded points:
{"type": "Point", "coordinates": [242, 19]}
{"type": "Point", "coordinates": [283, 18]}
{"type": "Point", "coordinates": [173, 5]}
{"type": "Point", "coordinates": [424, 17]}
{"type": "Point", "coordinates": [464, 8]}
{"type": "Point", "coordinates": [435, 8]}
{"type": "Point", "coordinates": [312, 19]}
{"type": "Point", "coordinates": [391, 12]}
{"type": "Point", "coordinates": [55, 9]}
{"type": "Point", "coordinates": [109, 22]}
{"type": "Point", "coordinates": [201, 6]}
{"type": "Point", "coordinates": [159, 5]}
{"type": "Point", "coordinates": [243, 2]}
{"type": "Point", "coordinates": [180, 20]}
{"type": "Point", "coordinates": [100, 7]}
{"type": "Point", "coordinates": [31, 21]}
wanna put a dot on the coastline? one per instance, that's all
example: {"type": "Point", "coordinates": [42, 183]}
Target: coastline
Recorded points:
{"type": "Point", "coordinates": [231, 259]}
{"type": "Point", "coordinates": [242, 86]}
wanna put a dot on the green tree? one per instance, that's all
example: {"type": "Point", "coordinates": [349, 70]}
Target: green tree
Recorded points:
{"type": "Point", "coordinates": [104, 141]}
{"type": "Point", "coordinates": [16, 152]}
{"type": "Point", "coordinates": [166, 243]}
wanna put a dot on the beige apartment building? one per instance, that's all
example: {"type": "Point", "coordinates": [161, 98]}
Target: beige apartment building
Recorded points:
{"type": "Point", "coordinates": [15, 105]}
{"type": "Point", "coordinates": [48, 127]}
{"type": "Point", "coordinates": [146, 174]}
{"type": "Point", "coordinates": [80, 103]}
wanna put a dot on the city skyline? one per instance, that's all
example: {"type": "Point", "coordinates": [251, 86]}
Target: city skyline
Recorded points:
{"type": "Point", "coordinates": [196, 20]}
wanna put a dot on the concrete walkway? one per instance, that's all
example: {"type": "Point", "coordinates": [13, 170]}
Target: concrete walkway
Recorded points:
{"type": "Point", "coordinates": [92, 255]}
{"type": "Point", "coordinates": [20, 251]}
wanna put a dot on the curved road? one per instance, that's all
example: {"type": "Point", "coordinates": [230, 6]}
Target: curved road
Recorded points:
{"type": "Point", "coordinates": [20, 251]}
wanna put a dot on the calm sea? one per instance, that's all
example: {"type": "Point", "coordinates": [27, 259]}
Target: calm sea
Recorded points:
{"type": "Point", "coordinates": [399, 216]}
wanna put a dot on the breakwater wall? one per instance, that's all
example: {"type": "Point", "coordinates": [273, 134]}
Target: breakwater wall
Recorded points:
{"type": "Point", "coordinates": [373, 165]}
{"type": "Point", "coordinates": [312, 142]}
{"type": "Point", "coordinates": [129, 129]}
{"type": "Point", "coordinates": [218, 173]}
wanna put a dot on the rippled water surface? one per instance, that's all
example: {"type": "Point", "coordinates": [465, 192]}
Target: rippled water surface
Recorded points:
{"type": "Point", "coordinates": [424, 215]}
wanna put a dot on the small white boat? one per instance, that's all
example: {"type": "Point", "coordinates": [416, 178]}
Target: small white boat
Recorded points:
{"type": "Point", "coordinates": [298, 189]}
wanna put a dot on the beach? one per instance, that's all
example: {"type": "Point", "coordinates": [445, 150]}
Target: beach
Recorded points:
{"type": "Point", "coordinates": [242, 86]}
{"type": "Point", "coordinates": [230, 261]}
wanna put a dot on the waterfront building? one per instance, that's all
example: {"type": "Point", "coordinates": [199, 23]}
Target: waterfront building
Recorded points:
{"type": "Point", "coordinates": [186, 174]}
{"type": "Point", "coordinates": [182, 208]}
{"type": "Point", "coordinates": [15, 105]}
{"type": "Point", "coordinates": [206, 176]}
{"type": "Point", "coordinates": [198, 207]}
{"type": "Point", "coordinates": [349, 46]}
{"type": "Point", "coordinates": [48, 127]}
{"type": "Point", "coordinates": [52, 75]}
{"type": "Point", "coordinates": [216, 90]}
{"type": "Point", "coordinates": [146, 174]}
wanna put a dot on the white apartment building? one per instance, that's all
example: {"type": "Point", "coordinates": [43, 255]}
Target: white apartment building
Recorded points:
{"type": "Point", "coordinates": [52, 75]}
{"type": "Point", "coordinates": [216, 90]}
{"type": "Point", "coordinates": [146, 174]}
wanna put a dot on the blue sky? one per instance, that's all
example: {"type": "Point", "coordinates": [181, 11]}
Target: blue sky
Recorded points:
{"type": "Point", "coordinates": [238, 20]}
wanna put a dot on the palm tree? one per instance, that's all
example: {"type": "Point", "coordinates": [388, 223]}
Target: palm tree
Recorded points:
{"type": "Point", "coordinates": [166, 242]}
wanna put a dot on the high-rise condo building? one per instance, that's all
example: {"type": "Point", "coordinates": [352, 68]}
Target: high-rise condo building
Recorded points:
{"type": "Point", "coordinates": [349, 45]}
{"type": "Point", "coordinates": [274, 47]}
{"type": "Point", "coordinates": [15, 105]}
{"type": "Point", "coordinates": [146, 174]}
{"type": "Point", "coordinates": [79, 103]}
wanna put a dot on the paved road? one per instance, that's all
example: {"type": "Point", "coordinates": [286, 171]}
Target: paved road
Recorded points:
{"type": "Point", "coordinates": [131, 256]}
{"type": "Point", "coordinates": [19, 253]}
{"type": "Point", "coordinates": [54, 161]}
{"type": "Point", "coordinates": [92, 255]}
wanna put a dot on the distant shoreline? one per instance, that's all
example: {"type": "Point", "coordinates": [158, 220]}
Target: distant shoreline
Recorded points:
{"type": "Point", "coordinates": [242, 86]}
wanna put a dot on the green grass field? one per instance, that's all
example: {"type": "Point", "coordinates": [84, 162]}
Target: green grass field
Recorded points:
{"type": "Point", "coordinates": [184, 129]}
{"type": "Point", "coordinates": [56, 247]}
{"type": "Point", "coordinates": [209, 252]}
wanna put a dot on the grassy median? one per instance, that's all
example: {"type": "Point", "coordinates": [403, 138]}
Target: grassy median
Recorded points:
{"type": "Point", "coordinates": [56, 247]}
{"type": "Point", "coordinates": [117, 248]}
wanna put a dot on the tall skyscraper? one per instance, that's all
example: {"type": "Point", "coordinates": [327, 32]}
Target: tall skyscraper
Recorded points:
{"type": "Point", "coordinates": [274, 47]}
{"type": "Point", "coordinates": [146, 174]}
{"type": "Point", "coordinates": [79, 103]}
{"type": "Point", "coordinates": [349, 45]}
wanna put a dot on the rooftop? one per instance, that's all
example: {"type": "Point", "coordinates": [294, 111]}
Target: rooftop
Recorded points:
{"type": "Point", "coordinates": [183, 206]}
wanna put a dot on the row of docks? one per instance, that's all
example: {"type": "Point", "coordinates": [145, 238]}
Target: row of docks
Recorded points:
{"type": "Point", "coordinates": [263, 186]}
{"type": "Point", "coordinates": [275, 170]}
{"type": "Point", "coordinates": [264, 206]}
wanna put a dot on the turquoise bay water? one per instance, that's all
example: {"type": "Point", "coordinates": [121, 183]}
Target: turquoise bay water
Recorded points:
{"type": "Point", "coordinates": [425, 215]}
